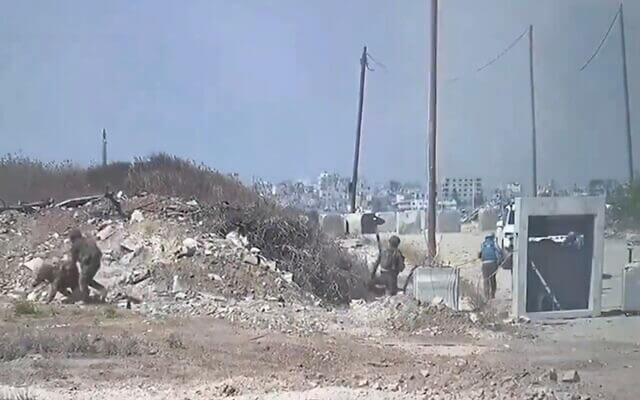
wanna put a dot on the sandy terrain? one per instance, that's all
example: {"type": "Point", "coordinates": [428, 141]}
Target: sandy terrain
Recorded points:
{"type": "Point", "coordinates": [86, 352]}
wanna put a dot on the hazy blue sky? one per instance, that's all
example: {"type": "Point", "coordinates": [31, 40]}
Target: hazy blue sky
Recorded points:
{"type": "Point", "coordinates": [269, 87]}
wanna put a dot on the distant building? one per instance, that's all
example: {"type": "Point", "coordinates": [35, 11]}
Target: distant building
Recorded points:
{"type": "Point", "coordinates": [462, 190]}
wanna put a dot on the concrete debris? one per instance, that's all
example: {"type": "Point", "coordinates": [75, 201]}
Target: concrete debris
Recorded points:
{"type": "Point", "coordinates": [34, 264]}
{"type": "Point", "coordinates": [466, 304]}
{"type": "Point", "coordinates": [553, 375]}
{"type": "Point", "coordinates": [215, 277]}
{"type": "Point", "coordinates": [571, 377]}
{"type": "Point", "coordinates": [474, 318]}
{"type": "Point", "coordinates": [177, 284]}
{"type": "Point", "coordinates": [237, 239]}
{"type": "Point", "coordinates": [130, 245]}
{"type": "Point", "coordinates": [189, 247]}
{"type": "Point", "coordinates": [251, 259]}
{"type": "Point", "coordinates": [136, 217]}
{"type": "Point", "coordinates": [106, 232]}
{"type": "Point", "coordinates": [437, 301]}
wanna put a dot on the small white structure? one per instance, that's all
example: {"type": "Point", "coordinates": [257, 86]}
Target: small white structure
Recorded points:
{"type": "Point", "coordinates": [408, 222]}
{"type": "Point", "coordinates": [631, 288]}
{"type": "Point", "coordinates": [390, 222]}
{"type": "Point", "coordinates": [559, 247]}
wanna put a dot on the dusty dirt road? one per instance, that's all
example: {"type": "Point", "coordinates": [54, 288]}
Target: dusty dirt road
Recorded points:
{"type": "Point", "coordinates": [74, 352]}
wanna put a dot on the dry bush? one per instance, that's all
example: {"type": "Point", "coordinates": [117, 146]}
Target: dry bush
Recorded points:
{"type": "Point", "coordinates": [113, 175]}
{"type": "Point", "coordinates": [24, 179]}
{"type": "Point", "coordinates": [24, 307]}
{"type": "Point", "coordinates": [175, 341]}
{"type": "Point", "coordinates": [474, 293]}
{"type": "Point", "coordinates": [413, 255]}
{"type": "Point", "coordinates": [163, 174]}
{"type": "Point", "coordinates": [318, 264]}
{"type": "Point", "coordinates": [23, 343]}
{"type": "Point", "coordinates": [287, 236]}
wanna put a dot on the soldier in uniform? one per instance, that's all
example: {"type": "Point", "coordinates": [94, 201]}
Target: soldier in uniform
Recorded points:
{"type": "Point", "coordinates": [391, 263]}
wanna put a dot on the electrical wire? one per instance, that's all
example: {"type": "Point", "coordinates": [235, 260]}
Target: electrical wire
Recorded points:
{"type": "Point", "coordinates": [379, 64]}
{"type": "Point", "coordinates": [602, 41]}
{"type": "Point", "coordinates": [503, 52]}
{"type": "Point", "coordinates": [493, 60]}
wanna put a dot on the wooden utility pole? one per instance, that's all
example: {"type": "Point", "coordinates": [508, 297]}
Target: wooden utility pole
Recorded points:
{"type": "Point", "coordinates": [534, 149]}
{"type": "Point", "coordinates": [104, 147]}
{"type": "Point", "coordinates": [433, 92]}
{"type": "Point", "coordinates": [626, 95]}
{"type": "Point", "coordinates": [353, 189]}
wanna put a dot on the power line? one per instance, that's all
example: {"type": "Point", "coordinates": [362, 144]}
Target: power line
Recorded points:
{"type": "Point", "coordinates": [493, 60]}
{"type": "Point", "coordinates": [602, 41]}
{"type": "Point", "coordinates": [379, 64]}
{"type": "Point", "coordinates": [503, 52]}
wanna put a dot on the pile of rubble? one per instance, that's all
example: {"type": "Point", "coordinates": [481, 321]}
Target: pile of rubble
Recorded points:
{"type": "Point", "coordinates": [147, 256]}
{"type": "Point", "coordinates": [164, 255]}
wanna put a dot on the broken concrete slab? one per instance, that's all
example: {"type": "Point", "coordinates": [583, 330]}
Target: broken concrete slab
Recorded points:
{"type": "Point", "coordinates": [136, 216]}
{"type": "Point", "coordinates": [571, 377]}
{"type": "Point", "coordinates": [34, 264]}
{"type": "Point", "coordinates": [106, 232]}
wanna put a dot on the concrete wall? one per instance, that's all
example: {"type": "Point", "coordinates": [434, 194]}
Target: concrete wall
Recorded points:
{"type": "Point", "coordinates": [354, 223]}
{"type": "Point", "coordinates": [332, 224]}
{"type": "Point", "coordinates": [390, 223]}
{"type": "Point", "coordinates": [487, 219]}
{"type": "Point", "coordinates": [448, 221]}
{"type": "Point", "coordinates": [409, 222]}
{"type": "Point", "coordinates": [562, 207]}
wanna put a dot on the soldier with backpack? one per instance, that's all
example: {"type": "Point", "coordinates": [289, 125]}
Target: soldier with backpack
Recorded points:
{"type": "Point", "coordinates": [391, 263]}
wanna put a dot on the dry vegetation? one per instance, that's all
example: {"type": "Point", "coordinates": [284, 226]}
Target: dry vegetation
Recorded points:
{"type": "Point", "coordinates": [25, 342]}
{"type": "Point", "coordinates": [318, 264]}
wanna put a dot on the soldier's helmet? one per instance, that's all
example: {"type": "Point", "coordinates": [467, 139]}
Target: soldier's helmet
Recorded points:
{"type": "Point", "coordinates": [394, 241]}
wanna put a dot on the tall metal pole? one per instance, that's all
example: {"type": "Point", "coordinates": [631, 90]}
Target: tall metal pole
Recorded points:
{"type": "Point", "coordinates": [433, 92]}
{"type": "Point", "coordinates": [104, 147]}
{"type": "Point", "coordinates": [356, 158]}
{"type": "Point", "coordinates": [534, 149]}
{"type": "Point", "coordinates": [626, 95]}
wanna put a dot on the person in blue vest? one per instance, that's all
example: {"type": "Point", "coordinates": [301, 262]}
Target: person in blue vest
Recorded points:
{"type": "Point", "coordinates": [491, 256]}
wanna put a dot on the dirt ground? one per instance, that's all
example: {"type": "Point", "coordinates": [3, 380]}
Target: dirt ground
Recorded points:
{"type": "Point", "coordinates": [100, 351]}
{"type": "Point", "coordinates": [125, 356]}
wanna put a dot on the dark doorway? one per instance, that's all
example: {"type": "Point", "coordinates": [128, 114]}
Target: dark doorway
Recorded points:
{"type": "Point", "coordinates": [559, 262]}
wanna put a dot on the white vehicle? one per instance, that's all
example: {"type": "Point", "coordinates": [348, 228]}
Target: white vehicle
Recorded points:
{"type": "Point", "coordinates": [505, 229]}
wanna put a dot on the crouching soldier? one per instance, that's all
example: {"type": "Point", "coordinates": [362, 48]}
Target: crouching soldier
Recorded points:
{"type": "Point", "coordinates": [391, 263]}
